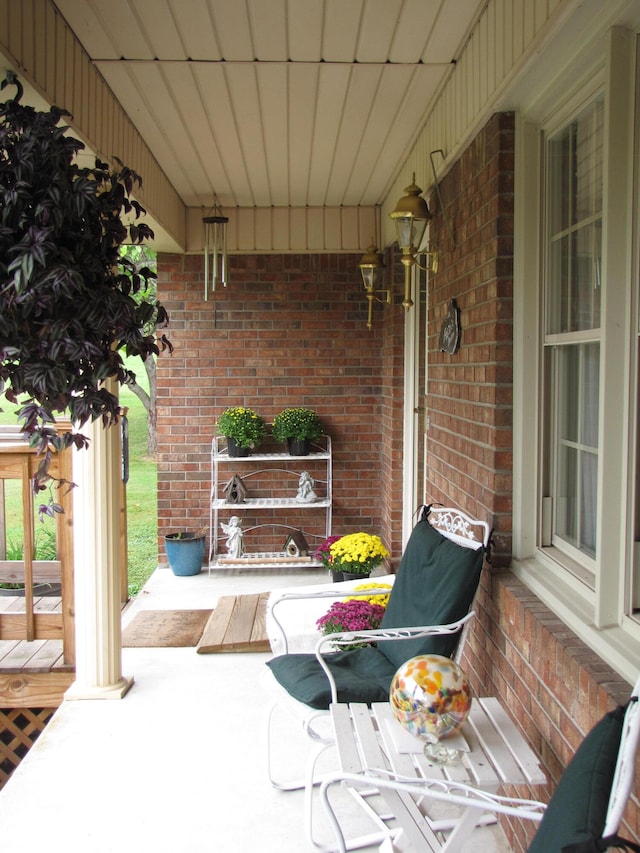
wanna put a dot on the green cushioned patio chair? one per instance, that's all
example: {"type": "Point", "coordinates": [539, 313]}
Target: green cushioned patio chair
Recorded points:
{"type": "Point", "coordinates": [428, 609]}
{"type": "Point", "coordinates": [585, 812]}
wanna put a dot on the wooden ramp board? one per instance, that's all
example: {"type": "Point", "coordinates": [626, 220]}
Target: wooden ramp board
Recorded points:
{"type": "Point", "coordinates": [164, 628]}
{"type": "Point", "coordinates": [236, 625]}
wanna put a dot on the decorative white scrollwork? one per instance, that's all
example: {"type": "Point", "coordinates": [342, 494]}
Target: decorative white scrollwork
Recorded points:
{"type": "Point", "coordinates": [453, 523]}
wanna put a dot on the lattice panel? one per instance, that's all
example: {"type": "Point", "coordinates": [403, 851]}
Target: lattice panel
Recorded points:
{"type": "Point", "coordinates": [19, 729]}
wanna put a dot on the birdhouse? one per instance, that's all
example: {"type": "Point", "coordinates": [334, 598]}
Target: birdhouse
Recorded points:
{"type": "Point", "coordinates": [296, 545]}
{"type": "Point", "coordinates": [235, 490]}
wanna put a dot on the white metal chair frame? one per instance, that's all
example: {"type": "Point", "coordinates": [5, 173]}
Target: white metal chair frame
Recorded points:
{"type": "Point", "coordinates": [623, 777]}
{"type": "Point", "coordinates": [456, 526]}
{"type": "Point", "coordinates": [452, 523]}
{"type": "Point", "coordinates": [345, 638]}
{"type": "Point", "coordinates": [467, 796]}
{"type": "Point", "coordinates": [332, 591]}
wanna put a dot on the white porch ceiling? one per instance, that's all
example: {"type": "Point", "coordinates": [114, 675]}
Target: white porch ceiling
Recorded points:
{"type": "Point", "coordinates": [266, 103]}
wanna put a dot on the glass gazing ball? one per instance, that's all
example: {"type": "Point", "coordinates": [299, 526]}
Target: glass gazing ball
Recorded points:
{"type": "Point", "coordinates": [430, 696]}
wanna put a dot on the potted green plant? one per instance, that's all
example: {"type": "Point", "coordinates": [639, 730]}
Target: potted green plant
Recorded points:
{"type": "Point", "coordinates": [185, 552]}
{"type": "Point", "coordinates": [357, 554]}
{"type": "Point", "coordinates": [243, 428]}
{"type": "Point", "coordinates": [297, 427]}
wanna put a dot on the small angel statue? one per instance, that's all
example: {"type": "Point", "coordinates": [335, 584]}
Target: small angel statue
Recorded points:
{"type": "Point", "coordinates": [233, 531]}
{"type": "Point", "coordinates": [306, 495]}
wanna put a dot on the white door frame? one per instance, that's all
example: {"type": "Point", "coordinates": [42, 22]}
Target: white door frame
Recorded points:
{"type": "Point", "coordinates": [412, 489]}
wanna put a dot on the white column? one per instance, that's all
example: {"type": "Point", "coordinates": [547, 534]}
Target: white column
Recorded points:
{"type": "Point", "coordinates": [96, 472]}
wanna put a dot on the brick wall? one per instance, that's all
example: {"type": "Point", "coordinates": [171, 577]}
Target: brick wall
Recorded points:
{"type": "Point", "coordinates": [470, 393]}
{"type": "Point", "coordinates": [288, 330]}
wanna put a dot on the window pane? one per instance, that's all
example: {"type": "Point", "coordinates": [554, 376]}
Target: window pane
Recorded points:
{"type": "Point", "coordinates": [575, 224]}
{"type": "Point", "coordinates": [588, 139]}
{"type": "Point", "coordinates": [590, 394]}
{"type": "Point", "coordinates": [568, 395]}
{"type": "Point", "coordinates": [578, 380]}
{"type": "Point", "coordinates": [559, 273]}
{"type": "Point", "coordinates": [566, 501]}
{"type": "Point", "coordinates": [560, 154]}
{"type": "Point", "coordinates": [589, 490]}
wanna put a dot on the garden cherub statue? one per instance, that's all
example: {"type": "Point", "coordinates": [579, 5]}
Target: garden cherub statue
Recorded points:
{"type": "Point", "coordinates": [306, 495]}
{"type": "Point", "coordinates": [234, 533]}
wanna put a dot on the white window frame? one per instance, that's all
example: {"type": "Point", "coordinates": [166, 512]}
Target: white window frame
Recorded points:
{"type": "Point", "coordinates": [573, 559]}
{"type": "Point", "coordinates": [597, 612]}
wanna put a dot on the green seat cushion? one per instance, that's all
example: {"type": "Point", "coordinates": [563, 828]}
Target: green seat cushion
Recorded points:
{"type": "Point", "coordinates": [436, 583]}
{"type": "Point", "coordinates": [362, 675]}
{"type": "Point", "coordinates": [576, 814]}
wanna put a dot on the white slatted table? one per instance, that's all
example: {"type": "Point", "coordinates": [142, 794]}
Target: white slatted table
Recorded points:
{"type": "Point", "coordinates": [492, 753]}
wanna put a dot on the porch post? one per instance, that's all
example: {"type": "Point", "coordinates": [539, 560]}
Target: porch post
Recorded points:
{"type": "Point", "coordinates": [97, 560]}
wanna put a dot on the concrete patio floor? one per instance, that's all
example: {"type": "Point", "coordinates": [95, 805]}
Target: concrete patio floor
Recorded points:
{"type": "Point", "coordinates": [177, 766]}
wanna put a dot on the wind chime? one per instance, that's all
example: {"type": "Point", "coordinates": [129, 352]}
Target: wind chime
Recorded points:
{"type": "Point", "coordinates": [215, 250]}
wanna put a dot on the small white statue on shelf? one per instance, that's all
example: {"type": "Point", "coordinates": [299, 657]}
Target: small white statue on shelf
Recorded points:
{"type": "Point", "coordinates": [233, 531]}
{"type": "Point", "coordinates": [306, 495]}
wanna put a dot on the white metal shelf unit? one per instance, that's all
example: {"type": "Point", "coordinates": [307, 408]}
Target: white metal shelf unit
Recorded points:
{"type": "Point", "coordinates": [320, 452]}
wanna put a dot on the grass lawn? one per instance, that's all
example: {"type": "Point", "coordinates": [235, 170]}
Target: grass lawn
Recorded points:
{"type": "Point", "coordinates": [142, 494]}
{"type": "Point", "coordinates": [142, 508]}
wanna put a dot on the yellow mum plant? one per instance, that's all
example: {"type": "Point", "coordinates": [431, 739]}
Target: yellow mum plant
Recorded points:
{"type": "Point", "coordinates": [357, 553]}
{"type": "Point", "coordinates": [382, 599]}
{"type": "Point", "coordinates": [243, 425]}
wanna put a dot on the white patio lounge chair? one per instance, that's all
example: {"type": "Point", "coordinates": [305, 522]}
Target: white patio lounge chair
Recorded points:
{"type": "Point", "coordinates": [428, 609]}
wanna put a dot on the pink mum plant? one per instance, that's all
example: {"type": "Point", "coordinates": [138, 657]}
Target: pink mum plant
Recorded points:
{"type": "Point", "coordinates": [351, 615]}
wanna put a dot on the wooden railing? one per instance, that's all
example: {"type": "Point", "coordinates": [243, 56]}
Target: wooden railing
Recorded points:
{"type": "Point", "coordinates": [29, 623]}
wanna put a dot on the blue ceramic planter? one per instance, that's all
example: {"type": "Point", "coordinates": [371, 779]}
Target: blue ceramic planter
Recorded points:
{"type": "Point", "coordinates": [185, 553]}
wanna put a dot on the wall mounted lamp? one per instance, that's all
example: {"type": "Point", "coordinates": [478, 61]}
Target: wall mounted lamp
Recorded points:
{"type": "Point", "coordinates": [372, 269]}
{"type": "Point", "coordinates": [410, 217]}
{"type": "Point", "coordinates": [215, 250]}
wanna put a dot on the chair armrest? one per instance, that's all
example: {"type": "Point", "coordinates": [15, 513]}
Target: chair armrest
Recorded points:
{"type": "Point", "coordinates": [331, 591]}
{"type": "Point", "coordinates": [346, 638]}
